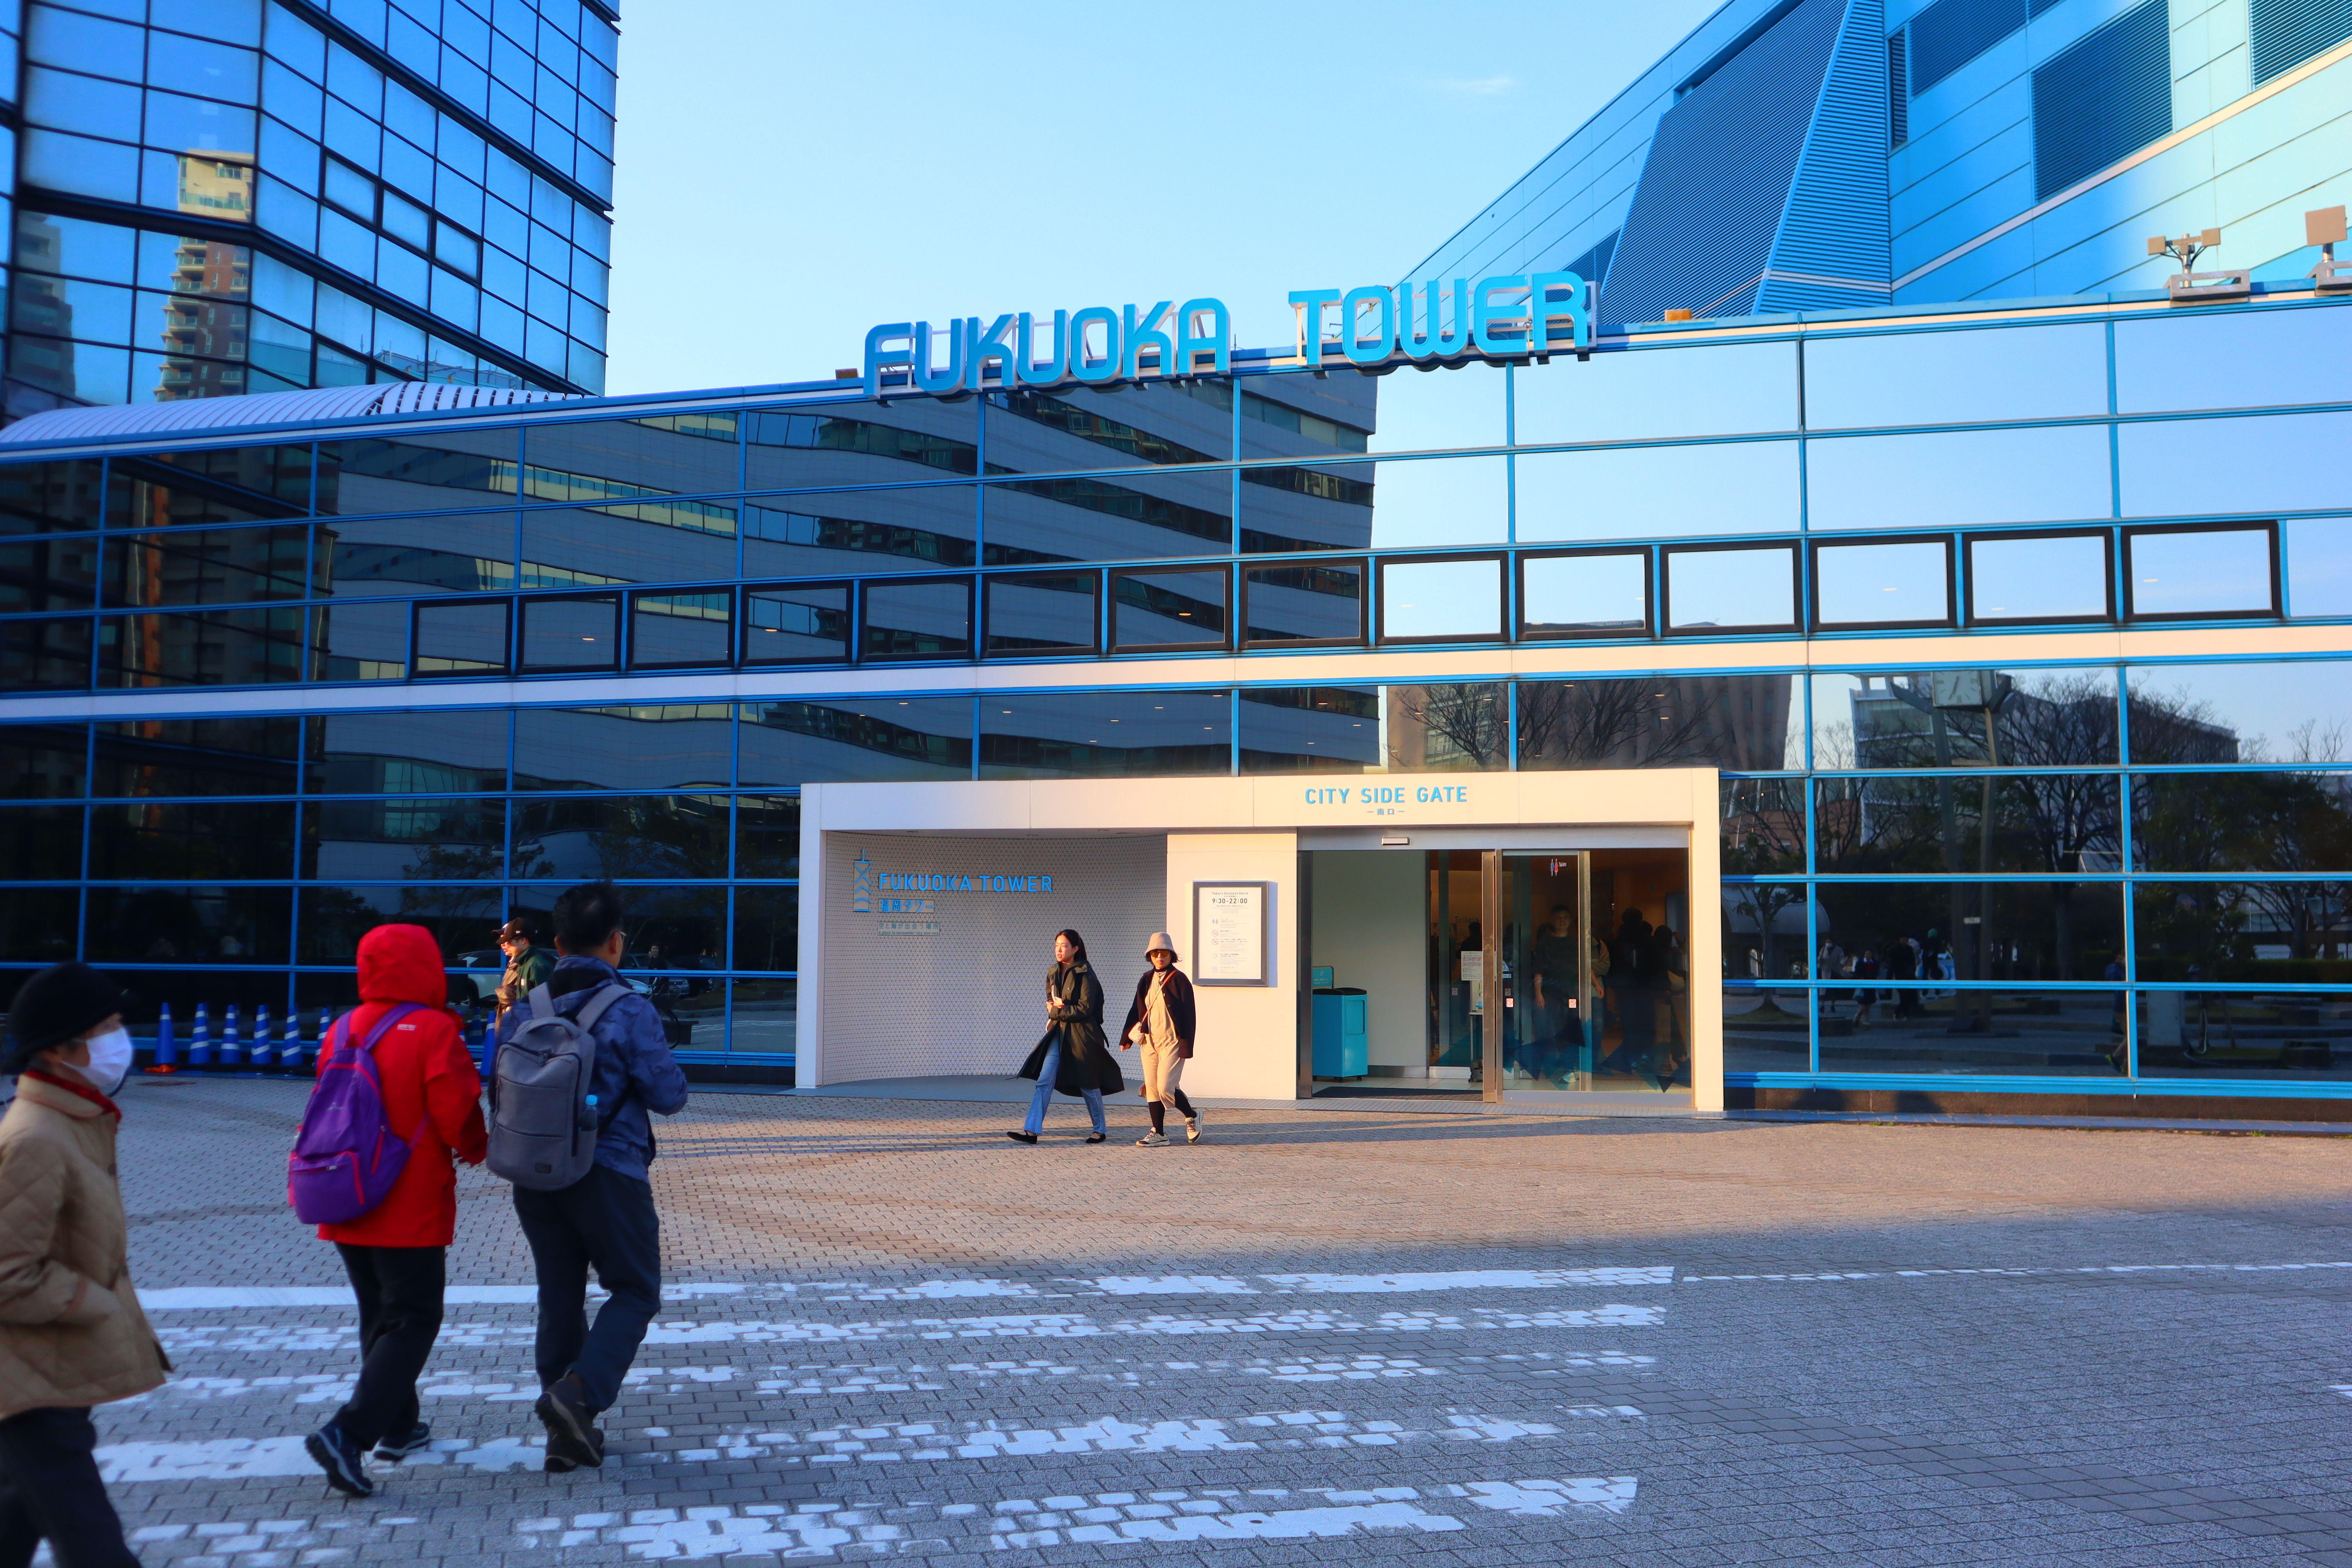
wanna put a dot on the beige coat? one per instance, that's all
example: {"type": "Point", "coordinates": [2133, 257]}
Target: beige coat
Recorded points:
{"type": "Point", "coordinates": [71, 1332]}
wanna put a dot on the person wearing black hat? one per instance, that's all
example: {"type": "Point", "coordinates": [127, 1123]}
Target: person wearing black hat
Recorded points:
{"type": "Point", "coordinates": [71, 1333]}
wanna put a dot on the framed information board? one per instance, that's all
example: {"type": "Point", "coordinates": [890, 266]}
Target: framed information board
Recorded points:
{"type": "Point", "coordinates": [1230, 932]}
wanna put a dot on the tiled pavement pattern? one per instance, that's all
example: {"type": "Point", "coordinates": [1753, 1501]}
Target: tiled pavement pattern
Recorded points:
{"type": "Point", "coordinates": [1321, 1335]}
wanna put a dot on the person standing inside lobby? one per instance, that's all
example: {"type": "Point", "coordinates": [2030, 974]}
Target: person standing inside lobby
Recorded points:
{"type": "Point", "coordinates": [1162, 1020]}
{"type": "Point", "coordinates": [1073, 1057]}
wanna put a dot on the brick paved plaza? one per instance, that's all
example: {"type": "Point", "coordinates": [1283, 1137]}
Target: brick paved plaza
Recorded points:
{"type": "Point", "coordinates": [1320, 1336]}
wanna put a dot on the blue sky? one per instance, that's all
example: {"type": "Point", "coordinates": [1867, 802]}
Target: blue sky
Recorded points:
{"type": "Point", "coordinates": [791, 174]}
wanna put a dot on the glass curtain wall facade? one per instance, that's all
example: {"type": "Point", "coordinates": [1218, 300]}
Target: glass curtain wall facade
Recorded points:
{"type": "Point", "coordinates": [2023, 644]}
{"type": "Point", "coordinates": [217, 197]}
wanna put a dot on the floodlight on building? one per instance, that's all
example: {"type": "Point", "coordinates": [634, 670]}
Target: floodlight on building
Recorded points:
{"type": "Point", "coordinates": [1677, 315]}
{"type": "Point", "coordinates": [2197, 287]}
{"type": "Point", "coordinates": [2324, 228]}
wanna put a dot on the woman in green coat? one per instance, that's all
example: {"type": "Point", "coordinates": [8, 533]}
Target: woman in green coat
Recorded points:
{"type": "Point", "coordinates": [1073, 1057]}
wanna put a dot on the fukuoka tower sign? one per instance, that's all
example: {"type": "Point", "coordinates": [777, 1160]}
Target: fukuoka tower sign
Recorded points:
{"type": "Point", "coordinates": [1512, 316]}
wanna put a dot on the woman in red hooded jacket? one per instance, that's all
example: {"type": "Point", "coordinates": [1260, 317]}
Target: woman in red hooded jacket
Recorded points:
{"type": "Point", "coordinates": [397, 1253]}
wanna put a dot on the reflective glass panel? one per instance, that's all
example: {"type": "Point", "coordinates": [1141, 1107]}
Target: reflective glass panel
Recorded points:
{"type": "Point", "coordinates": [2236, 359]}
{"type": "Point", "coordinates": [1763, 826]}
{"type": "Point", "coordinates": [2259, 711]}
{"type": "Point", "coordinates": [392, 753]}
{"type": "Point", "coordinates": [1073, 428]}
{"type": "Point", "coordinates": [1306, 417]}
{"type": "Point", "coordinates": [1956, 377]}
{"type": "Point", "coordinates": [1441, 504]}
{"type": "Point", "coordinates": [2046, 577]}
{"type": "Point", "coordinates": [644, 837]}
{"type": "Point", "coordinates": [1766, 1031]}
{"type": "Point", "coordinates": [2219, 571]}
{"type": "Point", "coordinates": [2319, 565]}
{"type": "Point", "coordinates": [2269, 462]}
{"type": "Point", "coordinates": [861, 531]}
{"type": "Point", "coordinates": [1287, 508]}
{"type": "Point", "coordinates": [1306, 602]}
{"type": "Point", "coordinates": [49, 571]}
{"type": "Point", "coordinates": [917, 619]}
{"type": "Point", "coordinates": [1737, 722]}
{"type": "Point", "coordinates": [767, 836]}
{"type": "Point", "coordinates": [206, 566]}
{"type": "Point", "coordinates": [902, 442]}
{"type": "Point", "coordinates": [1168, 609]}
{"type": "Point", "coordinates": [1957, 478]}
{"type": "Point", "coordinates": [1573, 596]}
{"type": "Point", "coordinates": [681, 631]}
{"type": "Point", "coordinates": [225, 647]}
{"type": "Point", "coordinates": [1427, 599]}
{"type": "Point", "coordinates": [451, 469]}
{"type": "Point", "coordinates": [405, 840]}
{"type": "Point", "coordinates": [1035, 613]}
{"type": "Point", "coordinates": [1458, 726]}
{"type": "Point", "coordinates": [37, 925]}
{"type": "Point", "coordinates": [2012, 931]}
{"type": "Point", "coordinates": [1954, 824]}
{"type": "Point", "coordinates": [48, 497]}
{"type": "Point", "coordinates": [43, 761]}
{"type": "Point", "coordinates": [2241, 933]}
{"type": "Point", "coordinates": [1311, 728]}
{"type": "Point", "coordinates": [1731, 588]}
{"type": "Point", "coordinates": [1439, 411]}
{"type": "Point", "coordinates": [2280, 1038]}
{"type": "Point", "coordinates": [571, 633]}
{"type": "Point", "coordinates": [1764, 939]}
{"type": "Point", "coordinates": [892, 738]}
{"type": "Point", "coordinates": [1896, 583]}
{"type": "Point", "coordinates": [452, 552]}
{"type": "Point", "coordinates": [219, 841]}
{"type": "Point", "coordinates": [1937, 719]}
{"type": "Point", "coordinates": [636, 543]}
{"type": "Point", "coordinates": [1105, 734]}
{"type": "Point", "coordinates": [363, 641]}
{"type": "Point", "coordinates": [462, 638]}
{"type": "Point", "coordinates": [762, 1014]}
{"type": "Point", "coordinates": [41, 843]}
{"type": "Point", "coordinates": [605, 462]}
{"type": "Point", "coordinates": [46, 656]}
{"type": "Point", "coordinates": [647, 746]}
{"type": "Point", "coordinates": [227, 484]}
{"type": "Point", "coordinates": [807, 625]}
{"type": "Point", "coordinates": [768, 928]}
{"type": "Point", "coordinates": [1135, 516]}
{"type": "Point", "coordinates": [1649, 394]}
{"type": "Point", "coordinates": [1658, 492]}
{"type": "Point", "coordinates": [464, 922]}
{"type": "Point", "coordinates": [1992, 1032]}
{"type": "Point", "coordinates": [188, 925]}
{"type": "Point", "coordinates": [2294, 823]}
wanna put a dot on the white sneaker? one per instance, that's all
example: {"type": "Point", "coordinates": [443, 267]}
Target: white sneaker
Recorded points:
{"type": "Point", "coordinates": [1192, 1128]}
{"type": "Point", "coordinates": [1153, 1140]}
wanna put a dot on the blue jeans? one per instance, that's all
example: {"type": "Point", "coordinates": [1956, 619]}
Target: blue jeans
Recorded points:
{"type": "Point", "coordinates": [1044, 1095]}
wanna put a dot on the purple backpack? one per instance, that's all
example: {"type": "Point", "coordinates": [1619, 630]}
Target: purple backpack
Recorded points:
{"type": "Point", "coordinates": [346, 1159]}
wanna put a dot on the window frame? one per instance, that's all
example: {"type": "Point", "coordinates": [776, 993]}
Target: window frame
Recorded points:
{"type": "Point", "coordinates": [1090, 648]}
{"type": "Point", "coordinates": [1225, 572]}
{"type": "Point", "coordinates": [1648, 626]}
{"type": "Point", "coordinates": [417, 607]}
{"type": "Point", "coordinates": [522, 665]}
{"type": "Point", "coordinates": [1973, 617]}
{"type": "Point", "coordinates": [1366, 567]}
{"type": "Point", "coordinates": [1501, 637]}
{"type": "Point", "coordinates": [865, 653]}
{"type": "Point", "coordinates": [1949, 621]}
{"type": "Point", "coordinates": [1794, 626]}
{"type": "Point", "coordinates": [2267, 527]}
{"type": "Point", "coordinates": [630, 661]}
{"type": "Point", "coordinates": [744, 656]}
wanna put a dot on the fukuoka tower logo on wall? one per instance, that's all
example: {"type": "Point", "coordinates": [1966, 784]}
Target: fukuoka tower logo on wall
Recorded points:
{"type": "Point", "coordinates": [1511, 316]}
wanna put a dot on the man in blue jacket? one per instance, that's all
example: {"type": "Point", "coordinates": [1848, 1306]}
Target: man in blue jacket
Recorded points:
{"type": "Point", "coordinates": [605, 1220]}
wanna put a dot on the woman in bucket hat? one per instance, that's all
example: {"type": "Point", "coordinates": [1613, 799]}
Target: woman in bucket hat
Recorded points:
{"type": "Point", "coordinates": [1160, 1020]}
{"type": "Point", "coordinates": [71, 1333]}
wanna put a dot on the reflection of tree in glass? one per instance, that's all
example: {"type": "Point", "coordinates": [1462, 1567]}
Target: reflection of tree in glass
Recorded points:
{"type": "Point", "coordinates": [1597, 723]}
{"type": "Point", "coordinates": [1462, 724]}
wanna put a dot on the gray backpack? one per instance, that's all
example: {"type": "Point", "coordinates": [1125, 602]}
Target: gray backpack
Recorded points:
{"type": "Point", "coordinates": [543, 1130]}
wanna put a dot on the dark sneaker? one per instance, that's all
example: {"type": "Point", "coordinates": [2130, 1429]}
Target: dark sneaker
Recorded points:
{"type": "Point", "coordinates": [1023, 1137]}
{"type": "Point", "coordinates": [554, 1466]}
{"type": "Point", "coordinates": [392, 1450]}
{"type": "Point", "coordinates": [1099, 1138]}
{"type": "Point", "coordinates": [340, 1458]}
{"type": "Point", "coordinates": [570, 1424]}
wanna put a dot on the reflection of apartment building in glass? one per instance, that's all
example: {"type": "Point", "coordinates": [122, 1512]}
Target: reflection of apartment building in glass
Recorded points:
{"type": "Point", "coordinates": [219, 200]}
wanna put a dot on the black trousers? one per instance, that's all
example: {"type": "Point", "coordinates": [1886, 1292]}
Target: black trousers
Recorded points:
{"type": "Point", "coordinates": [49, 1490]}
{"type": "Point", "coordinates": [399, 1291]}
{"type": "Point", "coordinates": [604, 1221]}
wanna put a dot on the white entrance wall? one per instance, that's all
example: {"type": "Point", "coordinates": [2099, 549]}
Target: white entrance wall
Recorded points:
{"type": "Point", "coordinates": [1216, 829]}
{"type": "Point", "coordinates": [1372, 927]}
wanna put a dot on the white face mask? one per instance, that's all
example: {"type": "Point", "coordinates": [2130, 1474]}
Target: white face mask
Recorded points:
{"type": "Point", "coordinates": [110, 1062]}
